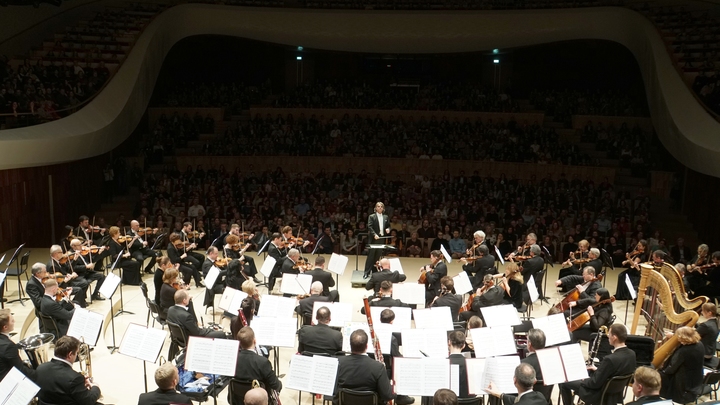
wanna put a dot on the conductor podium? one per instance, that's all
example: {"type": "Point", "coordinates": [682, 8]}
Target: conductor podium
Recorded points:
{"type": "Point", "coordinates": [357, 280]}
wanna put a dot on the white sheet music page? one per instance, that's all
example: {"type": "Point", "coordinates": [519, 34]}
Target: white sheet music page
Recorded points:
{"type": "Point", "coordinates": [409, 293]}
{"type": "Point", "coordinates": [431, 342]}
{"type": "Point", "coordinates": [455, 378]}
{"type": "Point", "coordinates": [462, 283]}
{"type": "Point", "coordinates": [554, 327]}
{"type": "Point", "coordinates": [110, 285]}
{"type": "Point", "coordinates": [475, 370]}
{"type": "Point", "coordinates": [431, 318]}
{"type": "Point", "coordinates": [630, 286]}
{"type": "Point", "coordinates": [212, 276]}
{"type": "Point", "coordinates": [395, 265]}
{"type": "Point", "coordinates": [382, 330]}
{"type": "Point", "coordinates": [85, 325]}
{"type": "Point", "coordinates": [551, 365]}
{"type": "Point", "coordinates": [403, 317]}
{"type": "Point", "coordinates": [17, 389]}
{"type": "Point", "coordinates": [337, 264]}
{"type": "Point", "coordinates": [500, 315]}
{"type": "Point", "coordinates": [231, 300]}
{"type": "Point", "coordinates": [501, 370]}
{"type": "Point", "coordinates": [267, 266]}
{"type": "Point", "coordinates": [211, 356]}
{"type": "Point", "coordinates": [421, 377]}
{"type": "Point", "coordinates": [532, 289]}
{"type": "Point", "coordinates": [142, 343]}
{"type": "Point", "coordinates": [490, 342]}
{"type": "Point", "coordinates": [274, 331]}
{"type": "Point", "coordinates": [315, 374]}
{"type": "Point", "coordinates": [340, 312]}
{"type": "Point", "coordinates": [2, 278]}
{"type": "Point", "coordinates": [574, 362]}
{"type": "Point", "coordinates": [295, 284]}
{"type": "Point", "coordinates": [445, 253]}
{"type": "Point", "coordinates": [275, 306]}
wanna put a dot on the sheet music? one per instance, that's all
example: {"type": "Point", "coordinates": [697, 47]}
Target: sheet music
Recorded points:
{"type": "Point", "coordinates": [532, 289]}
{"type": "Point", "coordinates": [296, 284]}
{"type": "Point", "coordinates": [628, 284]}
{"type": "Point", "coordinates": [315, 374]}
{"type": "Point", "coordinates": [395, 265]}
{"type": "Point", "coordinates": [212, 276]}
{"type": "Point", "coordinates": [554, 327]}
{"type": "Point", "coordinates": [446, 254]}
{"type": "Point", "coordinates": [551, 365]}
{"type": "Point", "coordinates": [274, 331]}
{"type": "Point", "coordinates": [275, 306]}
{"type": "Point", "coordinates": [500, 315]}
{"type": "Point", "coordinates": [490, 342]}
{"type": "Point", "coordinates": [431, 318]}
{"type": "Point", "coordinates": [462, 283]}
{"type": "Point", "coordinates": [382, 330]}
{"type": "Point", "coordinates": [499, 255]}
{"type": "Point", "coordinates": [211, 356]}
{"type": "Point", "coordinates": [337, 264]}
{"type": "Point", "coordinates": [142, 342]}
{"type": "Point", "coordinates": [2, 277]}
{"type": "Point", "coordinates": [501, 370]}
{"type": "Point", "coordinates": [475, 370]}
{"type": "Point", "coordinates": [86, 325]}
{"type": "Point", "coordinates": [421, 376]}
{"type": "Point", "coordinates": [432, 342]}
{"type": "Point", "coordinates": [340, 312]}
{"type": "Point", "coordinates": [267, 266]}
{"type": "Point", "coordinates": [17, 389]}
{"type": "Point", "coordinates": [455, 378]}
{"type": "Point", "coordinates": [409, 293]}
{"type": "Point", "coordinates": [231, 300]}
{"type": "Point", "coordinates": [403, 317]}
{"type": "Point", "coordinates": [110, 285]}
{"type": "Point", "coordinates": [574, 362]}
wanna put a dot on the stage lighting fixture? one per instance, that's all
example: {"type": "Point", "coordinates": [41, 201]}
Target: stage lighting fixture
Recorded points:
{"type": "Point", "coordinates": [298, 57]}
{"type": "Point", "coordinates": [496, 51]}
{"type": "Point", "coordinates": [496, 61]}
{"type": "Point", "coordinates": [300, 48]}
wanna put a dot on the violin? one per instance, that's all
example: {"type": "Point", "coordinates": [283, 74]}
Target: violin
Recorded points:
{"type": "Point", "coordinates": [65, 257]}
{"type": "Point", "coordinates": [85, 250]}
{"type": "Point", "coordinates": [238, 246]}
{"type": "Point", "coordinates": [178, 244]}
{"type": "Point", "coordinates": [92, 229]}
{"type": "Point", "coordinates": [60, 294]}
{"type": "Point", "coordinates": [146, 231]}
{"type": "Point", "coordinates": [179, 284]}
{"type": "Point", "coordinates": [222, 262]}
{"type": "Point", "coordinates": [302, 264]}
{"type": "Point", "coordinates": [59, 277]}
{"type": "Point", "coordinates": [195, 234]}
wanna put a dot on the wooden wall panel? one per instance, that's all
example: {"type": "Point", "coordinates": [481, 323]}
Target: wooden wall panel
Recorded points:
{"type": "Point", "coordinates": [700, 201]}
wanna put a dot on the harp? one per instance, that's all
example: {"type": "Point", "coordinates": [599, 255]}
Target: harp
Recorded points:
{"type": "Point", "coordinates": [663, 302]}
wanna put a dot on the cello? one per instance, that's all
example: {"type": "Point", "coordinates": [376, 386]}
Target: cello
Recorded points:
{"type": "Point", "coordinates": [573, 295]}
{"type": "Point", "coordinates": [582, 318]}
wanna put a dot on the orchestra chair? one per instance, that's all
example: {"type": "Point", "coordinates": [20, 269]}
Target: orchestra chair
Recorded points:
{"type": "Point", "coordinates": [48, 324]}
{"type": "Point", "coordinates": [479, 400]}
{"type": "Point", "coordinates": [614, 390]}
{"type": "Point", "coordinates": [237, 390]}
{"type": "Point", "coordinates": [19, 270]}
{"type": "Point", "coordinates": [711, 383]}
{"type": "Point", "coordinates": [178, 339]}
{"type": "Point", "coordinates": [153, 308]}
{"type": "Point", "coordinates": [460, 325]}
{"type": "Point", "coordinates": [546, 390]}
{"type": "Point", "coordinates": [306, 319]}
{"type": "Point", "coordinates": [354, 397]}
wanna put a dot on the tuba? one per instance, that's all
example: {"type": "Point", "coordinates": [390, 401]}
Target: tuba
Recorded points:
{"type": "Point", "coordinates": [85, 359]}
{"type": "Point", "coordinates": [37, 348]}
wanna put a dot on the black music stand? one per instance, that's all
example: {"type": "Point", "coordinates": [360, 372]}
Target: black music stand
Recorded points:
{"type": "Point", "coordinates": [2, 289]}
{"type": "Point", "coordinates": [122, 304]}
{"type": "Point", "coordinates": [548, 261]}
{"type": "Point", "coordinates": [607, 263]}
{"type": "Point", "coordinates": [21, 291]}
{"type": "Point", "coordinates": [113, 348]}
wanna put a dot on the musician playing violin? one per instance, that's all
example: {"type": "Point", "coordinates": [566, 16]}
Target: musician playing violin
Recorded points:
{"type": "Point", "coordinates": [92, 235]}
{"type": "Point", "coordinates": [176, 251]}
{"type": "Point", "coordinates": [85, 268]}
{"type": "Point", "coordinates": [131, 268]}
{"type": "Point", "coordinates": [219, 286]}
{"type": "Point", "coordinates": [479, 261]}
{"type": "Point", "coordinates": [434, 272]}
{"type": "Point", "coordinates": [639, 255]}
{"type": "Point", "coordinates": [585, 286]}
{"type": "Point", "coordinates": [187, 235]}
{"type": "Point", "coordinates": [236, 248]}
{"type": "Point", "coordinates": [575, 263]}
{"type": "Point", "coordinates": [139, 249]}
{"type": "Point", "coordinates": [276, 250]}
{"type": "Point", "coordinates": [71, 279]}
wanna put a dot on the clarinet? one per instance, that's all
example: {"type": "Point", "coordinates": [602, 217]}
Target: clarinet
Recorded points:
{"type": "Point", "coordinates": [373, 336]}
{"type": "Point", "coordinates": [592, 352]}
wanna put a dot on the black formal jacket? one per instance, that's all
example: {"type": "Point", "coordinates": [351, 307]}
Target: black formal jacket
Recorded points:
{"type": "Point", "coordinates": [373, 226]}
{"type": "Point", "coordinates": [433, 278]}
{"type": "Point", "coordinates": [287, 267]}
{"type": "Point", "coordinates": [531, 267]}
{"type": "Point", "coordinates": [61, 385]}
{"type": "Point", "coordinates": [78, 265]}
{"type": "Point", "coordinates": [683, 375]}
{"type": "Point", "coordinates": [533, 361]}
{"type": "Point", "coordinates": [319, 339]}
{"type": "Point", "coordinates": [10, 357]}
{"type": "Point", "coordinates": [174, 254]}
{"type": "Point", "coordinates": [459, 359]}
{"type": "Point", "coordinates": [62, 312]}
{"type": "Point", "coordinates": [187, 321]}
{"type": "Point", "coordinates": [675, 253]}
{"type": "Point", "coordinates": [493, 296]}
{"type": "Point", "coordinates": [167, 297]}
{"type": "Point", "coordinates": [619, 362]}
{"type": "Point", "coordinates": [587, 297]}
{"type": "Point", "coordinates": [531, 398]}
{"type": "Point", "coordinates": [646, 400]}
{"type": "Point", "coordinates": [595, 264]}
{"type": "Point", "coordinates": [384, 302]}
{"type": "Point", "coordinates": [305, 305]}
{"type": "Point", "coordinates": [278, 255]}
{"type": "Point", "coordinates": [454, 301]}
{"type": "Point", "coordinates": [252, 366]}
{"type": "Point", "coordinates": [163, 397]}
{"type": "Point", "coordinates": [378, 277]}
{"type": "Point", "coordinates": [325, 277]}
{"type": "Point", "coordinates": [35, 290]}
{"type": "Point", "coordinates": [708, 331]}
{"type": "Point", "coordinates": [360, 372]}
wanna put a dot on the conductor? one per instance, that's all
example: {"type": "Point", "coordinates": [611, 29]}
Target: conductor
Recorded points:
{"type": "Point", "coordinates": [378, 227]}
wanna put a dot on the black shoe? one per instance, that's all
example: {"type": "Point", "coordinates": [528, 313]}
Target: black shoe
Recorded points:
{"type": "Point", "coordinates": [404, 400]}
{"type": "Point", "coordinates": [97, 297]}
{"type": "Point", "coordinates": [256, 281]}
{"type": "Point", "coordinates": [365, 276]}
{"type": "Point", "coordinates": [149, 272]}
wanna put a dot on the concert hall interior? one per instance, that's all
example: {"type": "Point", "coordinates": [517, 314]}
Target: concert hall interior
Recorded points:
{"type": "Point", "coordinates": [397, 197]}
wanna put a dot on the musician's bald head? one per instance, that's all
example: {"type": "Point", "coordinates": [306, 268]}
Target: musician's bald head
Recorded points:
{"type": "Point", "coordinates": [358, 342]}
{"type": "Point", "coordinates": [256, 396]}
{"type": "Point", "coordinates": [134, 223]}
{"type": "Point", "coordinates": [316, 288]}
{"type": "Point", "coordinates": [384, 263]}
{"type": "Point", "coordinates": [323, 315]}
{"type": "Point", "coordinates": [524, 377]}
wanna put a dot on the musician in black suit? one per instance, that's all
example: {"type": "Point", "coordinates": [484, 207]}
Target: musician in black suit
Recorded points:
{"type": "Point", "coordinates": [252, 366]}
{"type": "Point", "coordinates": [456, 343]}
{"type": "Point", "coordinates": [179, 314]}
{"type": "Point", "coordinates": [384, 298]}
{"type": "Point", "coordinates": [600, 315]}
{"type": "Point", "coordinates": [681, 253]}
{"type": "Point", "coordinates": [9, 356]}
{"type": "Point", "coordinates": [78, 284]}
{"type": "Point", "coordinates": [219, 286]}
{"type": "Point", "coordinates": [130, 268]}
{"type": "Point", "coordinates": [483, 264]}
{"type": "Point", "coordinates": [85, 268]}
{"type": "Point", "coordinates": [85, 231]}
{"type": "Point", "coordinates": [250, 269]}
{"type": "Point", "coordinates": [278, 253]}
{"type": "Point", "coordinates": [34, 286]}
{"type": "Point", "coordinates": [384, 274]}
{"type": "Point", "coordinates": [305, 305]}
{"type": "Point", "coordinates": [178, 255]}
{"type": "Point", "coordinates": [448, 298]}
{"type": "Point", "coordinates": [646, 386]}
{"type": "Point", "coordinates": [166, 378]}
{"type": "Point", "coordinates": [318, 273]}
{"type": "Point", "coordinates": [289, 265]}
{"type": "Point", "coordinates": [486, 296]}
{"type": "Point", "coordinates": [524, 380]}
{"type": "Point", "coordinates": [140, 249]}
{"type": "Point", "coordinates": [378, 226]}
{"type": "Point", "coordinates": [531, 267]}
{"type": "Point", "coordinates": [62, 312]}
{"type": "Point", "coordinates": [359, 372]}
{"type": "Point", "coordinates": [434, 272]}
{"type": "Point", "coordinates": [536, 341]}
{"type": "Point", "coordinates": [59, 383]}
{"type": "Point", "coordinates": [320, 338]}
{"type": "Point", "coordinates": [620, 362]}
{"type": "Point", "coordinates": [194, 258]}
{"type": "Point", "coordinates": [585, 285]}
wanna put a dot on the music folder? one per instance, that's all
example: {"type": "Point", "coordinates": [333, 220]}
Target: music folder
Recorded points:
{"type": "Point", "coordinates": [562, 364]}
{"type": "Point", "coordinates": [315, 374]}
{"type": "Point", "coordinates": [212, 356]}
{"type": "Point", "coordinates": [85, 325]}
{"type": "Point", "coordinates": [142, 343]}
{"type": "Point", "coordinates": [17, 389]}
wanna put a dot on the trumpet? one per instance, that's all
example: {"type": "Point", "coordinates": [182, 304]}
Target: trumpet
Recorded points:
{"type": "Point", "coordinates": [85, 359]}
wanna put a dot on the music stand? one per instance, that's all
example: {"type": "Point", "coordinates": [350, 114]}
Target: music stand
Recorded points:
{"type": "Point", "coordinates": [2, 300]}
{"type": "Point", "coordinates": [21, 291]}
{"type": "Point", "coordinates": [317, 244]}
{"type": "Point", "coordinates": [607, 262]}
{"type": "Point", "coordinates": [122, 304]}
{"type": "Point", "coordinates": [548, 260]}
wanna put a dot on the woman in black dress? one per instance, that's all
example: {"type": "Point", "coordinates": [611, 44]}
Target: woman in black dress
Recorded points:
{"type": "Point", "coordinates": [682, 374]}
{"type": "Point", "coordinates": [637, 256]}
{"type": "Point", "coordinates": [599, 316]}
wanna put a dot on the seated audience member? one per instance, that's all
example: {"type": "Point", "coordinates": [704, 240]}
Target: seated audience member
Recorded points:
{"type": "Point", "coordinates": [320, 338]}
{"type": "Point", "coordinates": [9, 351]}
{"type": "Point", "coordinates": [524, 380]}
{"type": "Point", "coordinates": [646, 386]}
{"type": "Point", "coordinates": [179, 314]}
{"type": "Point", "coordinates": [620, 362]}
{"type": "Point", "coordinates": [382, 275]}
{"type": "Point", "coordinates": [166, 378]}
{"type": "Point", "coordinates": [359, 372]}
{"type": "Point", "coordinates": [252, 366]}
{"type": "Point", "coordinates": [682, 374]}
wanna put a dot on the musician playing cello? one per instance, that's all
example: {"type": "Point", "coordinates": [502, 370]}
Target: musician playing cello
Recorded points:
{"type": "Point", "coordinates": [586, 285]}
{"type": "Point", "coordinates": [599, 315]}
